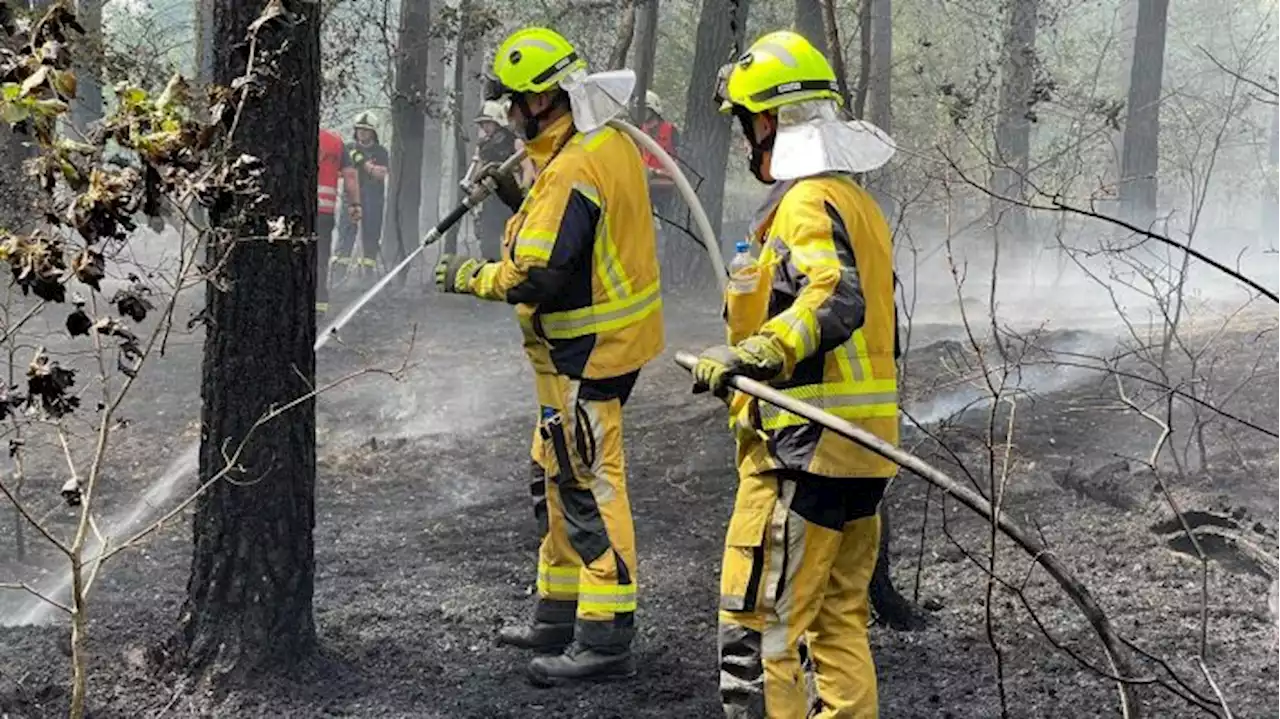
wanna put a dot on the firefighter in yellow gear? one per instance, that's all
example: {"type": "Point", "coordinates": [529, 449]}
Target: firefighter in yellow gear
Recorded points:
{"type": "Point", "coordinates": [579, 262]}
{"type": "Point", "coordinates": [814, 317]}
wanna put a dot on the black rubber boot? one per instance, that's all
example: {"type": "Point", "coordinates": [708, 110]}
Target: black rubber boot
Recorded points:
{"type": "Point", "coordinates": [540, 636]}
{"type": "Point", "coordinates": [581, 664]}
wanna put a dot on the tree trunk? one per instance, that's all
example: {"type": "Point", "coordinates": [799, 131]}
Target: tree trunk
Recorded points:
{"type": "Point", "coordinates": [809, 22]}
{"type": "Point", "coordinates": [864, 58]}
{"type": "Point", "coordinates": [880, 97]}
{"type": "Point", "coordinates": [455, 142]}
{"type": "Point", "coordinates": [831, 36]}
{"type": "Point", "coordinates": [86, 108]}
{"type": "Point", "coordinates": [1140, 158]}
{"type": "Point", "coordinates": [204, 42]}
{"type": "Point", "coordinates": [646, 48]}
{"type": "Point", "coordinates": [705, 142]}
{"type": "Point", "coordinates": [622, 43]}
{"type": "Point", "coordinates": [249, 597]}
{"type": "Point", "coordinates": [432, 150]}
{"type": "Point", "coordinates": [1013, 125]}
{"type": "Point", "coordinates": [1128, 30]}
{"type": "Point", "coordinates": [408, 124]}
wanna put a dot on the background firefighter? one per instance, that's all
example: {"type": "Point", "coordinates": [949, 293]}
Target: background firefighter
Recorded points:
{"type": "Point", "coordinates": [814, 316]}
{"type": "Point", "coordinates": [580, 262]}
{"type": "Point", "coordinates": [662, 189]}
{"type": "Point", "coordinates": [371, 161]}
{"type": "Point", "coordinates": [334, 163]}
{"type": "Point", "coordinates": [495, 143]}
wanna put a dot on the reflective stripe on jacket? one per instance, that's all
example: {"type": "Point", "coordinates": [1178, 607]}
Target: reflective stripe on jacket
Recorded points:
{"type": "Point", "coordinates": [579, 257]}
{"type": "Point", "coordinates": [824, 294]}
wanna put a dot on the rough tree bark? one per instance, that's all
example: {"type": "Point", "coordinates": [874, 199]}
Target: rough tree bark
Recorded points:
{"type": "Point", "coordinates": [809, 22]}
{"type": "Point", "coordinates": [880, 96]}
{"type": "Point", "coordinates": [408, 124]}
{"type": "Point", "coordinates": [456, 143]}
{"type": "Point", "coordinates": [87, 106]}
{"type": "Point", "coordinates": [249, 597]}
{"type": "Point", "coordinates": [1127, 17]}
{"type": "Point", "coordinates": [705, 140]}
{"type": "Point", "coordinates": [1140, 158]}
{"type": "Point", "coordinates": [831, 38]}
{"type": "Point", "coordinates": [646, 38]}
{"type": "Point", "coordinates": [472, 92]}
{"type": "Point", "coordinates": [432, 150]}
{"type": "Point", "coordinates": [864, 58]}
{"type": "Point", "coordinates": [204, 41]}
{"type": "Point", "coordinates": [622, 43]}
{"type": "Point", "coordinates": [1013, 124]}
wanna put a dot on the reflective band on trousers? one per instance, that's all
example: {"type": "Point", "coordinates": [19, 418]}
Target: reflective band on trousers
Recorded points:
{"type": "Point", "coordinates": [619, 599]}
{"type": "Point", "coordinates": [604, 317]}
{"type": "Point", "coordinates": [558, 581]}
{"type": "Point", "coordinates": [846, 400]}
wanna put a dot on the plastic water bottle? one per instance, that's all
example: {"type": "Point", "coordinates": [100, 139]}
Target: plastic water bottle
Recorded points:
{"type": "Point", "coordinates": [743, 273]}
{"type": "Point", "coordinates": [742, 258]}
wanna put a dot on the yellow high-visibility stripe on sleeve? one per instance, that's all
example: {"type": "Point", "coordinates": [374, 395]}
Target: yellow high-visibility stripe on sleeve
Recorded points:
{"type": "Point", "coordinates": [535, 244]}
{"type": "Point", "coordinates": [797, 328]}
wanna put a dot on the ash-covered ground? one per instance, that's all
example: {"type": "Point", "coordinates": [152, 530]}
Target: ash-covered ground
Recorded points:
{"type": "Point", "coordinates": [425, 540]}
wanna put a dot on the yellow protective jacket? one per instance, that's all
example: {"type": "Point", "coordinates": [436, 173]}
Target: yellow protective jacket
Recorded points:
{"type": "Point", "coordinates": [822, 290]}
{"type": "Point", "coordinates": [579, 258]}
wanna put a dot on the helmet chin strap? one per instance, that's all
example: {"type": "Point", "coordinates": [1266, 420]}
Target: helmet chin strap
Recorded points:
{"type": "Point", "coordinates": [758, 147]}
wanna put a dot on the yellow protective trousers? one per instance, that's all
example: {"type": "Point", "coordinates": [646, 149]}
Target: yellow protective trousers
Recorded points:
{"type": "Point", "coordinates": [587, 559]}
{"type": "Point", "coordinates": [798, 561]}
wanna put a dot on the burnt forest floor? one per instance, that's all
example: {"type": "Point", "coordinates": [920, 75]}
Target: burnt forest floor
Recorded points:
{"type": "Point", "coordinates": [425, 542]}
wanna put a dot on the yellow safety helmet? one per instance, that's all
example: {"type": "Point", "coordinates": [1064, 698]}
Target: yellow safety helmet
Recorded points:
{"type": "Point", "coordinates": [531, 60]}
{"type": "Point", "coordinates": [779, 69]}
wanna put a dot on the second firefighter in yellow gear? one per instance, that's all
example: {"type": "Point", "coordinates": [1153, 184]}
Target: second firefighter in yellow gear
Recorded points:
{"type": "Point", "coordinates": [814, 317]}
{"type": "Point", "coordinates": [579, 263]}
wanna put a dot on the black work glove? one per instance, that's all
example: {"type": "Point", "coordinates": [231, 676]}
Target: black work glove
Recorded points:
{"type": "Point", "coordinates": [507, 187]}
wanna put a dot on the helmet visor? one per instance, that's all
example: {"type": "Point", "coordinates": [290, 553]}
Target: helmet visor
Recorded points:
{"type": "Point", "coordinates": [495, 90]}
{"type": "Point", "coordinates": [722, 87]}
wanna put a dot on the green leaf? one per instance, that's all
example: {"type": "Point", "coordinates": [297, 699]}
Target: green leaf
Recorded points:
{"type": "Point", "coordinates": [11, 91]}
{"type": "Point", "coordinates": [13, 113]}
{"type": "Point", "coordinates": [133, 97]}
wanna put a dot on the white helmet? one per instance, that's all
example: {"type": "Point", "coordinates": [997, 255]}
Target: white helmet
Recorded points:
{"type": "Point", "coordinates": [493, 111]}
{"type": "Point", "coordinates": [652, 101]}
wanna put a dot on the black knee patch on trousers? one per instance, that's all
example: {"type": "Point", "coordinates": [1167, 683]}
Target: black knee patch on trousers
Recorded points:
{"type": "Point", "coordinates": [586, 531]}
{"type": "Point", "coordinates": [538, 490]}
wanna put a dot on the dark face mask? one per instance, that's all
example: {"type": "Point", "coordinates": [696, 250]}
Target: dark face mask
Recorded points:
{"type": "Point", "coordinates": [758, 149]}
{"type": "Point", "coordinates": [532, 122]}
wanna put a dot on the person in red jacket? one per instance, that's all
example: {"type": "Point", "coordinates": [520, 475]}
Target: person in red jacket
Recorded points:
{"type": "Point", "coordinates": [662, 188]}
{"type": "Point", "coordinates": [334, 163]}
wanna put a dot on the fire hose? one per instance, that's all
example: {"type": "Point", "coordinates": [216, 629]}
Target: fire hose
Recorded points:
{"type": "Point", "coordinates": [1122, 670]}
{"type": "Point", "coordinates": [477, 192]}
